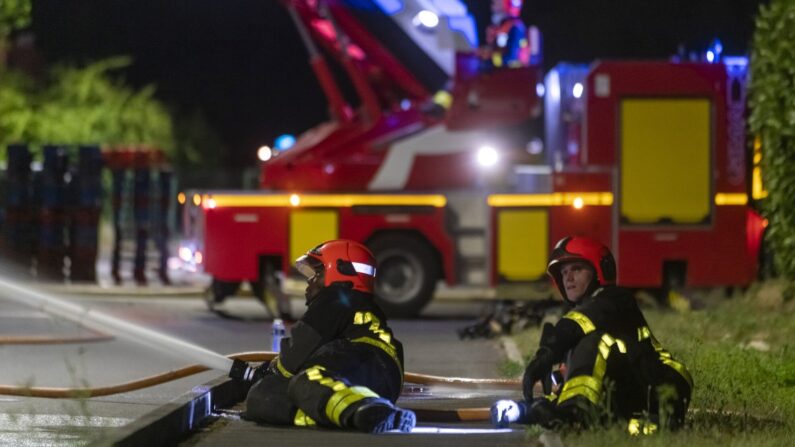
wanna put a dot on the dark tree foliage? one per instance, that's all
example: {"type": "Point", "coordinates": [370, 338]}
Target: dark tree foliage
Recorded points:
{"type": "Point", "coordinates": [772, 103]}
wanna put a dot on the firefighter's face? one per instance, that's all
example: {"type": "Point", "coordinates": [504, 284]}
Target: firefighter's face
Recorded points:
{"type": "Point", "coordinates": [314, 285]}
{"type": "Point", "coordinates": [576, 276]}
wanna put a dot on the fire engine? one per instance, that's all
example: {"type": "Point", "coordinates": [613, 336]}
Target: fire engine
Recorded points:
{"type": "Point", "coordinates": [454, 169]}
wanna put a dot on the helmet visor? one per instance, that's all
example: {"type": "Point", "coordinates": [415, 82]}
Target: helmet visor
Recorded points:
{"type": "Point", "coordinates": [309, 266]}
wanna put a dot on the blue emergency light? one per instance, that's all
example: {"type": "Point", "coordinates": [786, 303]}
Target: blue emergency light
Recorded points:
{"type": "Point", "coordinates": [284, 142]}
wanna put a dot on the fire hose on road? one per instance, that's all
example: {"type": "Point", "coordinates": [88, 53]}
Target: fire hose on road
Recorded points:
{"type": "Point", "coordinates": [431, 415]}
{"type": "Point", "coordinates": [101, 323]}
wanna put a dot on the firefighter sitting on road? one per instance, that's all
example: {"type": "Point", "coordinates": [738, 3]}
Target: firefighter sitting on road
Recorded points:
{"type": "Point", "coordinates": [615, 370]}
{"type": "Point", "coordinates": [341, 366]}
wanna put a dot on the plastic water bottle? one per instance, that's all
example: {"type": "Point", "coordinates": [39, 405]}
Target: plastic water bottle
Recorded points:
{"type": "Point", "coordinates": [277, 334]}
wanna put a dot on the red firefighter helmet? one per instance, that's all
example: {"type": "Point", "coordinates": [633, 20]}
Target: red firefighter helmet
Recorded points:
{"type": "Point", "coordinates": [511, 8]}
{"type": "Point", "coordinates": [343, 261]}
{"type": "Point", "coordinates": [576, 248]}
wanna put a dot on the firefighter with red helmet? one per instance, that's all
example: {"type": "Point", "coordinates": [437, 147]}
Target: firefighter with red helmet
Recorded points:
{"type": "Point", "coordinates": [341, 366]}
{"type": "Point", "coordinates": [507, 36]}
{"type": "Point", "coordinates": [615, 369]}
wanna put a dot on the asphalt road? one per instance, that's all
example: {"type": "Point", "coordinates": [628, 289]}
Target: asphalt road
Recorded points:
{"type": "Point", "coordinates": [431, 347]}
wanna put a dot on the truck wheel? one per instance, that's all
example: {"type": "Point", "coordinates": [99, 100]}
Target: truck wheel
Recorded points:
{"type": "Point", "coordinates": [269, 291]}
{"type": "Point", "coordinates": [406, 276]}
{"type": "Point", "coordinates": [217, 292]}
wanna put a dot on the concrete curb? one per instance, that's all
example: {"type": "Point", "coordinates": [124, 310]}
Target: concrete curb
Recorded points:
{"type": "Point", "coordinates": [172, 422]}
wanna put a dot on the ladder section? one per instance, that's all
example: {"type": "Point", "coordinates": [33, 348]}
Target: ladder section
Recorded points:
{"type": "Point", "coordinates": [469, 226]}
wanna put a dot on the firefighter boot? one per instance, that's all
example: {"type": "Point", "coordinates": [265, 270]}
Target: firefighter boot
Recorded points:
{"type": "Point", "coordinates": [506, 411]}
{"type": "Point", "coordinates": [380, 416]}
{"type": "Point", "coordinates": [540, 411]}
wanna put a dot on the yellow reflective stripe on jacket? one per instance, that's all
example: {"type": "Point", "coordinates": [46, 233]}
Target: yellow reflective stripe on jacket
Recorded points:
{"type": "Point", "coordinates": [382, 339]}
{"type": "Point", "coordinates": [302, 420]}
{"type": "Point", "coordinates": [605, 344]}
{"type": "Point", "coordinates": [375, 325]}
{"type": "Point", "coordinates": [681, 369]}
{"type": "Point", "coordinates": [282, 370]}
{"type": "Point", "coordinates": [584, 322]}
{"type": "Point", "coordinates": [389, 349]}
{"type": "Point", "coordinates": [590, 387]}
{"type": "Point", "coordinates": [644, 333]}
{"type": "Point", "coordinates": [586, 386]}
{"type": "Point", "coordinates": [665, 356]}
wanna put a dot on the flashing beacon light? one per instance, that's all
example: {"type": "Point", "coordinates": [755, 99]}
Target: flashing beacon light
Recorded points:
{"type": "Point", "coordinates": [295, 199]}
{"type": "Point", "coordinates": [182, 198]}
{"type": "Point", "coordinates": [578, 203]}
{"type": "Point", "coordinates": [284, 142]}
{"type": "Point", "coordinates": [197, 199]}
{"type": "Point", "coordinates": [577, 90]}
{"type": "Point", "coordinates": [425, 19]}
{"type": "Point", "coordinates": [540, 89]}
{"type": "Point", "coordinates": [185, 253]}
{"type": "Point", "coordinates": [714, 51]}
{"type": "Point", "coordinates": [264, 153]}
{"type": "Point", "coordinates": [487, 156]}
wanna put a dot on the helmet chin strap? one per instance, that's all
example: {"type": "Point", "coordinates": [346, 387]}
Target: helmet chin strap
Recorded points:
{"type": "Point", "coordinates": [592, 287]}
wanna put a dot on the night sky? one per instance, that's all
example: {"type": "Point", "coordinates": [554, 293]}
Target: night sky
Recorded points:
{"type": "Point", "coordinates": [242, 63]}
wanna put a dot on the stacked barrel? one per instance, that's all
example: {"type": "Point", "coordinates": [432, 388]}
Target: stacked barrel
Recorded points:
{"type": "Point", "coordinates": [149, 203]}
{"type": "Point", "coordinates": [18, 238]}
{"type": "Point", "coordinates": [51, 213]}
{"type": "Point", "coordinates": [85, 207]}
{"type": "Point", "coordinates": [50, 186]}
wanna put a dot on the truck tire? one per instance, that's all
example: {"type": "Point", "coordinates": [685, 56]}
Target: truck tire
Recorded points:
{"type": "Point", "coordinates": [406, 275]}
{"type": "Point", "coordinates": [217, 292]}
{"type": "Point", "coordinates": [268, 289]}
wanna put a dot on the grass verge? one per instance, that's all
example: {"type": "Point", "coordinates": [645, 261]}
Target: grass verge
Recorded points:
{"type": "Point", "coordinates": [741, 355]}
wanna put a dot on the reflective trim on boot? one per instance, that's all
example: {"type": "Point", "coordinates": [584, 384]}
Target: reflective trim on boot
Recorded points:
{"type": "Point", "coordinates": [380, 416]}
{"type": "Point", "coordinates": [302, 420]}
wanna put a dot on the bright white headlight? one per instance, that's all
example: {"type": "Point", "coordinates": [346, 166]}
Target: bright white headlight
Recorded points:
{"type": "Point", "coordinates": [426, 19]}
{"type": "Point", "coordinates": [264, 153]}
{"type": "Point", "coordinates": [488, 156]}
{"type": "Point", "coordinates": [185, 253]}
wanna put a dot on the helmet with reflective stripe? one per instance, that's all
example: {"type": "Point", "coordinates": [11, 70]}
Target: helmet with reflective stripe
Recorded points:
{"type": "Point", "coordinates": [343, 261]}
{"type": "Point", "coordinates": [576, 248]}
{"type": "Point", "coordinates": [512, 8]}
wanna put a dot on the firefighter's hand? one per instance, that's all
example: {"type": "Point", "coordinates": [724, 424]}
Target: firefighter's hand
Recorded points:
{"type": "Point", "coordinates": [245, 373]}
{"type": "Point", "coordinates": [240, 371]}
{"type": "Point", "coordinates": [539, 367]}
{"type": "Point", "coordinates": [262, 370]}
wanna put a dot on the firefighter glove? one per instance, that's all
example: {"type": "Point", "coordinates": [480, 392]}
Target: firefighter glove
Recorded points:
{"type": "Point", "coordinates": [539, 367]}
{"type": "Point", "coordinates": [245, 373]}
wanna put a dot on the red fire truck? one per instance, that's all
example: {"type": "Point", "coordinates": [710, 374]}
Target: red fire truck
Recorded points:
{"type": "Point", "coordinates": [453, 169]}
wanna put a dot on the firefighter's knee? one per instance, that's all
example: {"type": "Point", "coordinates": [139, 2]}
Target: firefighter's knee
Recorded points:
{"type": "Point", "coordinates": [267, 401]}
{"type": "Point", "coordinates": [578, 411]}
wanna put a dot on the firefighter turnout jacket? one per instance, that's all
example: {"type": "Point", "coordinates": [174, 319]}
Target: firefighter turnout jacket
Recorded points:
{"type": "Point", "coordinates": [615, 366]}
{"type": "Point", "coordinates": [339, 355]}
